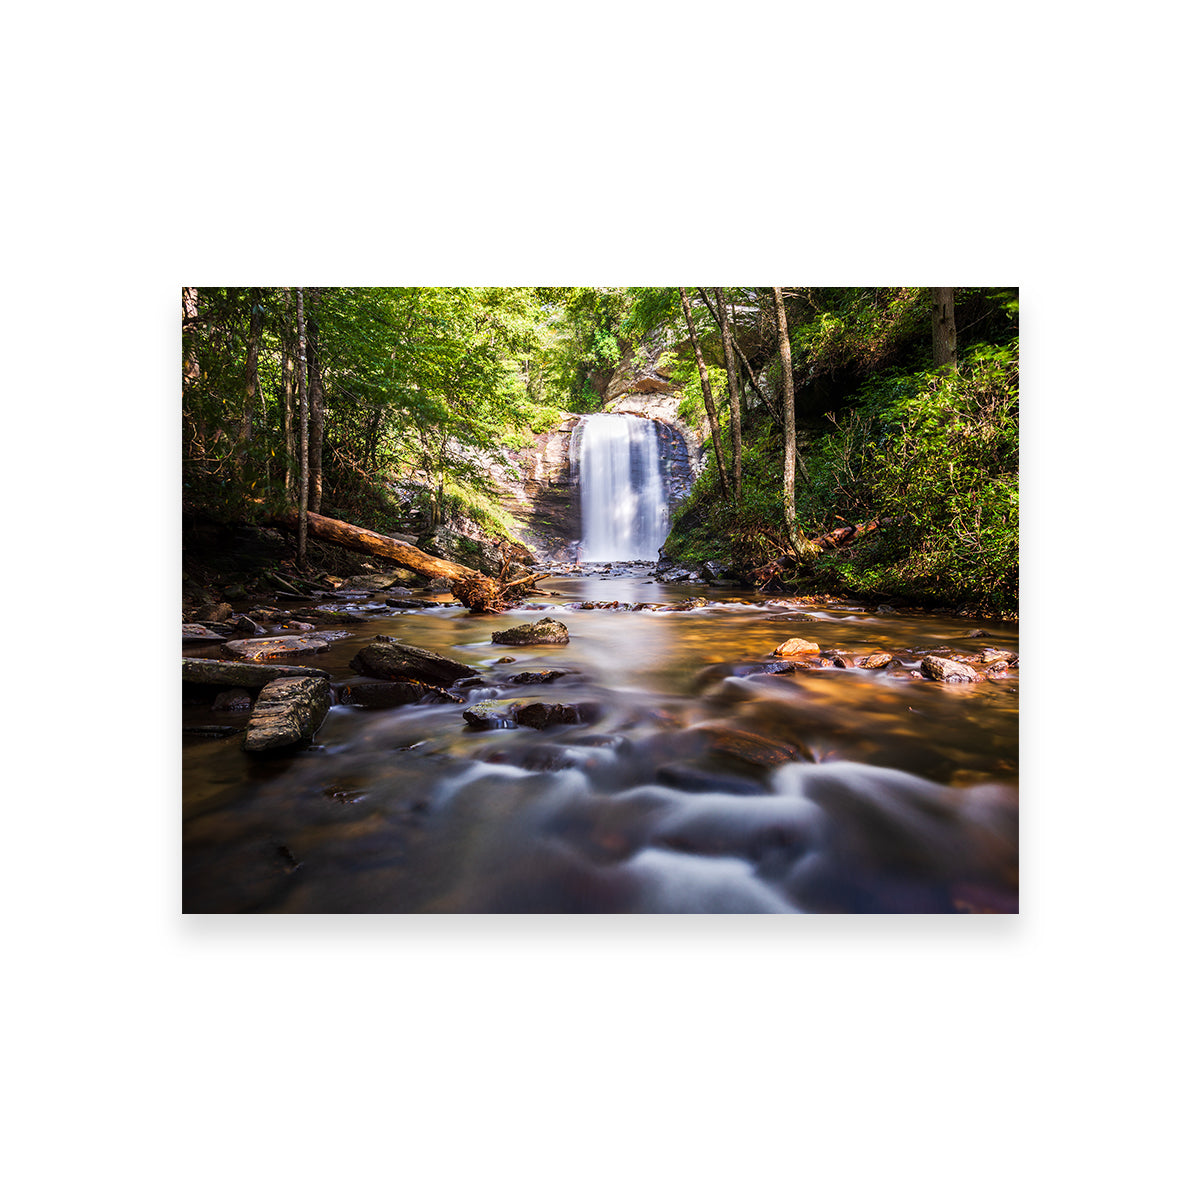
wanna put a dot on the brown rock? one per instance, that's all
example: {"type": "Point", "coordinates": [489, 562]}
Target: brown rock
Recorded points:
{"type": "Point", "coordinates": [546, 632]}
{"type": "Point", "coordinates": [399, 661]}
{"type": "Point", "coordinates": [266, 649]}
{"type": "Point", "coordinates": [990, 655]}
{"type": "Point", "coordinates": [394, 693]}
{"type": "Point", "coordinates": [199, 633]}
{"type": "Point", "coordinates": [214, 672]}
{"type": "Point", "coordinates": [874, 662]}
{"type": "Point", "coordinates": [946, 670]}
{"type": "Point", "coordinates": [287, 712]}
{"type": "Point", "coordinates": [795, 646]}
{"type": "Point", "coordinates": [746, 747]}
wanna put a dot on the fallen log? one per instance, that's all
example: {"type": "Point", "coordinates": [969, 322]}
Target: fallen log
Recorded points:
{"type": "Point", "coordinates": [479, 592]}
{"type": "Point", "coordinates": [355, 538]}
{"type": "Point", "coordinates": [771, 573]}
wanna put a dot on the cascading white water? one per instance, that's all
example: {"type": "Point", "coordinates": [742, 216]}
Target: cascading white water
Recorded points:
{"type": "Point", "coordinates": [621, 494]}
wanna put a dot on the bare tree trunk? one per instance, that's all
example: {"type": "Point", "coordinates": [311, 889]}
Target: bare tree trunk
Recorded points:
{"type": "Point", "coordinates": [191, 365]}
{"type": "Point", "coordinates": [710, 407]}
{"type": "Point", "coordinates": [805, 550]}
{"type": "Point", "coordinates": [287, 397]}
{"type": "Point", "coordinates": [316, 407]}
{"type": "Point", "coordinates": [735, 406]}
{"type": "Point", "coordinates": [945, 335]}
{"type": "Point", "coordinates": [250, 383]}
{"type": "Point", "coordinates": [302, 423]}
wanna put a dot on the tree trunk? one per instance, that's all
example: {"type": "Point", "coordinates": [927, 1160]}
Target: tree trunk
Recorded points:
{"type": "Point", "coordinates": [735, 407]}
{"type": "Point", "coordinates": [191, 366]}
{"type": "Point", "coordinates": [287, 397]}
{"type": "Point", "coordinates": [302, 423]}
{"type": "Point", "coordinates": [316, 408]}
{"type": "Point", "coordinates": [805, 550]}
{"type": "Point", "coordinates": [250, 379]}
{"type": "Point", "coordinates": [945, 335]}
{"type": "Point", "coordinates": [710, 407]}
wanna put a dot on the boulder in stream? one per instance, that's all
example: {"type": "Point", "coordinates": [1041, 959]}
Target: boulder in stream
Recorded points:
{"type": "Point", "coordinates": [288, 712]}
{"type": "Point", "coordinates": [946, 670]}
{"type": "Point", "coordinates": [546, 632]}
{"type": "Point", "coordinates": [874, 662]}
{"type": "Point", "coordinates": [398, 661]}
{"type": "Point", "coordinates": [795, 646]}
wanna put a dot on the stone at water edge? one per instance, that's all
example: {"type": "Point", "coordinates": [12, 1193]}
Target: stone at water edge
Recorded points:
{"type": "Point", "coordinates": [265, 649]}
{"type": "Point", "coordinates": [287, 712]}
{"type": "Point", "coordinates": [398, 661]}
{"type": "Point", "coordinates": [795, 646]}
{"type": "Point", "coordinates": [546, 632]}
{"type": "Point", "coordinates": [200, 633]}
{"type": "Point", "coordinates": [216, 672]}
{"type": "Point", "coordinates": [946, 670]}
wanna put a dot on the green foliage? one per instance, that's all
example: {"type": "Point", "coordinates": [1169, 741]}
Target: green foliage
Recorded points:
{"type": "Point", "coordinates": [936, 456]}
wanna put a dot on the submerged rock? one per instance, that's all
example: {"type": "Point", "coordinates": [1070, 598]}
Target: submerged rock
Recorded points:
{"type": "Point", "coordinates": [394, 693]}
{"type": "Point", "coordinates": [795, 646]}
{"type": "Point", "coordinates": [233, 700]}
{"type": "Point", "coordinates": [396, 660]}
{"type": "Point", "coordinates": [946, 670]}
{"type": "Point", "coordinates": [265, 649]}
{"type": "Point", "coordinates": [538, 676]}
{"type": "Point", "coordinates": [287, 712]}
{"type": "Point", "coordinates": [546, 632]}
{"type": "Point", "coordinates": [536, 714]}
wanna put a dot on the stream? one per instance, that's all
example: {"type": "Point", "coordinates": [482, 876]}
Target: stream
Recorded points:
{"type": "Point", "coordinates": [703, 785]}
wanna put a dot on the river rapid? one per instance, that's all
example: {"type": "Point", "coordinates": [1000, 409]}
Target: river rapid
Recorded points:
{"type": "Point", "coordinates": [704, 786]}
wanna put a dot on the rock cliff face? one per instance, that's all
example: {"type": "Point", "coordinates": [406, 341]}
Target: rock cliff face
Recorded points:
{"type": "Point", "coordinates": [539, 488]}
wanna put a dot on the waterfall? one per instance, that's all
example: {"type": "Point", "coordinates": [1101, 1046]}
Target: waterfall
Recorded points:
{"type": "Point", "coordinates": [622, 500]}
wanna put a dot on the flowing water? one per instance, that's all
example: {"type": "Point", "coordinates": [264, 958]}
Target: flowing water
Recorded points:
{"type": "Point", "coordinates": [703, 785]}
{"type": "Point", "coordinates": [623, 503]}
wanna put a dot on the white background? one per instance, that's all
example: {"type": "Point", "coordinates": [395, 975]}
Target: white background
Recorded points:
{"type": "Point", "coordinates": [1046, 145]}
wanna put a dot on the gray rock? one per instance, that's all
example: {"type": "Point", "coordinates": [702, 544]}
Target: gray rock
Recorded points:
{"type": "Point", "coordinates": [397, 660]}
{"type": "Point", "coordinates": [712, 571]}
{"type": "Point", "coordinates": [288, 712]}
{"type": "Point", "coordinates": [546, 632]}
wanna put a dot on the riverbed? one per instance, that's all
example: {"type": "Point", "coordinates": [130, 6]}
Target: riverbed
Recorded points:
{"type": "Point", "coordinates": [702, 785]}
